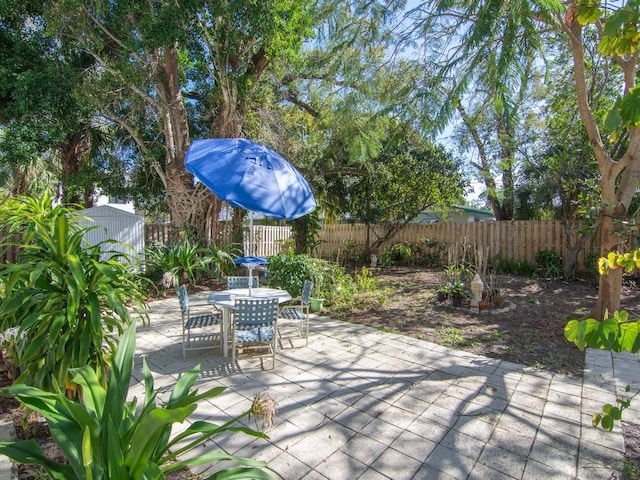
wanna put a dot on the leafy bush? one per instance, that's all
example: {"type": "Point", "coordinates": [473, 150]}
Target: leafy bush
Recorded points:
{"type": "Point", "coordinates": [549, 262]}
{"type": "Point", "coordinates": [513, 267]}
{"type": "Point", "coordinates": [304, 231]}
{"type": "Point", "coordinates": [354, 253]}
{"type": "Point", "coordinates": [429, 252]}
{"type": "Point", "coordinates": [185, 262]}
{"type": "Point", "coordinates": [289, 271]}
{"type": "Point", "coordinates": [68, 305]}
{"type": "Point", "coordinates": [454, 289]}
{"type": "Point", "coordinates": [426, 253]}
{"type": "Point", "coordinates": [397, 254]}
{"type": "Point", "coordinates": [106, 436]}
{"type": "Point", "coordinates": [365, 280]}
{"type": "Point", "coordinates": [458, 272]}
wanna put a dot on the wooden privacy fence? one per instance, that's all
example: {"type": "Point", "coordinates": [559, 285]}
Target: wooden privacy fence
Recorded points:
{"type": "Point", "coordinates": [512, 240]}
{"type": "Point", "coordinates": [517, 240]}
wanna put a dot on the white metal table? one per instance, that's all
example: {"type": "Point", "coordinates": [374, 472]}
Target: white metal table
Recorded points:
{"type": "Point", "coordinates": [226, 301]}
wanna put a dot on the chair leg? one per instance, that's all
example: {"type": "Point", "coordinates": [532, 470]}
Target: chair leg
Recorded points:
{"type": "Point", "coordinates": [273, 350]}
{"type": "Point", "coordinates": [233, 349]}
{"type": "Point", "coordinates": [184, 345]}
{"type": "Point", "coordinates": [221, 339]}
{"type": "Point", "coordinates": [306, 332]}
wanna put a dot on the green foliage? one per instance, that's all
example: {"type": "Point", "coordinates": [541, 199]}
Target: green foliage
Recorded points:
{"type": "Point", "coordinates": [397, 254]}
{"type": "Point", "coordinates": [610, 413]}
{"type": "Point", "coordinates": [289, 271]}
{"type": "Point", "coordinates": [454, 289]}
{"type": "Point", "coordinates": [331, 282]}
{"type": "Point", "coordinates": [365, 280]}
{"type": "Point", "coordinates": [629, 262]}
{"type": "Point", "coordinates": [513, 267]}
{"type": "Point", "coordinates": [426, 253]}
{"type": "Point", "coordinates": [305, 230]}
{"type": "Point", "coordinates": [591, 264]}
{"type": "Point", "coordinates": [451, 337]}
{"type": "Point", "coordinates": [106, 436]}
{"type": "Point", "coordinates": [69, 305]}
{"type": "Point", "coordinates": [353, 253]}
{"type": "Point", "coordinates": [409, 176]}
{"type": "Point", "coordinates": [619, 38]}
{"type": "Point", "coordinates": [429, 252]}
{"type": "Point", "coordinates": [549, 262]}
{"type": "Point", "coordinates": [457, 271]}
{"type": "Point", "coordinates": [616, 333]}
{"type": "Point", "coordinates": [185, 262]}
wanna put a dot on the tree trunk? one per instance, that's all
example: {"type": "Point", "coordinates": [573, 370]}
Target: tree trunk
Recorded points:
{"type": "Point", "coordinates": [237, 227]}
{"type": "Point", "coordinates": [609, 286]}
{"type": "Point", "coordinates": [618, 179]}
{"type": "Point", "coordinates": [190, 207]}
{"type": "Point", "coordinates": [484, 166]}
{"type": "Point", "coordinates": [71, 152]}
{"type": "Point", "coordinates": [505, 135]}
{"type": "Point", "coordinates": [571, 258]}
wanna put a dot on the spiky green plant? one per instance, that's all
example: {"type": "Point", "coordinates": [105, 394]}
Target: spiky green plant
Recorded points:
{"type": "Point", "coordinates": [68, 304]}
{"type": "Point", "coordinates": [105, 436]}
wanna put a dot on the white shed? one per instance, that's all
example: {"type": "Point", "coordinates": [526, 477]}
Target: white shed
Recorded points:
{"type": "Point", "coordinates": [114, 224]}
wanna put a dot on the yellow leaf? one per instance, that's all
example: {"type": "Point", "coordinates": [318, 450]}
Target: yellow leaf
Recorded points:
{"type": "Point", "coordinates": [603, 266]}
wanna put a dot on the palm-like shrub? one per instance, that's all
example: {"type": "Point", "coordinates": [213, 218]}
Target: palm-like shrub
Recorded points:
{"type": "Point", "coordinates": [186, 262]}
{"type": "Point", "coordinates": [106, 436]}
{"type": "Point", "coordinates": [68, 305]}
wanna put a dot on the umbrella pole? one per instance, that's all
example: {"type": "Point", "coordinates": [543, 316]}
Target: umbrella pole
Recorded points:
{"type": "Point", "coordinates": [251, 249]}
{"type": "Point", "coordinates": [251, 245]}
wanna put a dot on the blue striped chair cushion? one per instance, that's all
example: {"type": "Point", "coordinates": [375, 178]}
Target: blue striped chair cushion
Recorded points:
{"type": "Point", "coordinates": [261, 334]}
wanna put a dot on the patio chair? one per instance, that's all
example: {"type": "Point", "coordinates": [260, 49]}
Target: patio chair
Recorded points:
{"type": "Point", "coordinates": [241, 282]}
{"type": "Point", "coordinates": [255, 325]}
{"type": "Point", "coordinates": [298, 309]}
{"type": "Point", "coordinates": [204, 337]}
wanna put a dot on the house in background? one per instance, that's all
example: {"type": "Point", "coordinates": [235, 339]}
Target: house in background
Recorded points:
{"type": "Point", "coordinates": [456, 214]}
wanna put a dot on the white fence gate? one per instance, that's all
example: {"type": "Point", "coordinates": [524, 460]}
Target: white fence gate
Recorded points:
{"type": "Point", "coordinates": [269, 240]}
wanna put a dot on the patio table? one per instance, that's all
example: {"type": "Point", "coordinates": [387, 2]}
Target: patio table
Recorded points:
{"type": "Point", "coordinates": [225, 300]}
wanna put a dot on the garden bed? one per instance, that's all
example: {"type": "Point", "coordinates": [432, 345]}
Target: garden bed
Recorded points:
{"type": "Point", "coordinates": [530, 333]}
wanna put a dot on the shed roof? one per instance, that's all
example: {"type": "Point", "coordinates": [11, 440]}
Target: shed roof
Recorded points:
{"type": "Point", "coordinates": [108, 211]}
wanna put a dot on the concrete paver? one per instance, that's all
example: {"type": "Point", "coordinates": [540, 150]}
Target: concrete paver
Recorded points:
{"type": "Point", "coordinates": [359, 403]}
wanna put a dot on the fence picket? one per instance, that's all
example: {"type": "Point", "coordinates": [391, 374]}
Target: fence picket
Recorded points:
{"type": "Point", "coordinates": [513, 240]}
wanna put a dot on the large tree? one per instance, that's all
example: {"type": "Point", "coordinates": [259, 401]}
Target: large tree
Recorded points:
{"type": "Point", "coordinates": [165, 68]}
{"type": "Point", "coordinates": [511, 27]}
{"type": "Point", "coordinates": [409, 176]}
{"type": "Point", "coordinates": [617, 31]}
{"type": "Point", "coordinates": [44, 112]}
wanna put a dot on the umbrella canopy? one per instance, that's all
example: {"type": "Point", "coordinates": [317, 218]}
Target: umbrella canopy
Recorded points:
{"type": "Point", "coordinates": [250, 175]}
{"type": "Point", "coordinates": [250, 263]}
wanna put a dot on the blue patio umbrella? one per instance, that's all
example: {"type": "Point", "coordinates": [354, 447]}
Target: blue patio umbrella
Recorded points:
{"type": "Point", "coordinates": [252, 176]}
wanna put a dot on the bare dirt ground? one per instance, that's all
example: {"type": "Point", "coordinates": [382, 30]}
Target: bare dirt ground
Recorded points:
{"type": "Point", "coordinates": [530, 333]}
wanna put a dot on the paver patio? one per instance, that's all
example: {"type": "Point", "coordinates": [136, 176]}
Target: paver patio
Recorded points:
{"type": "Point", "coordinates": [361, 403]}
